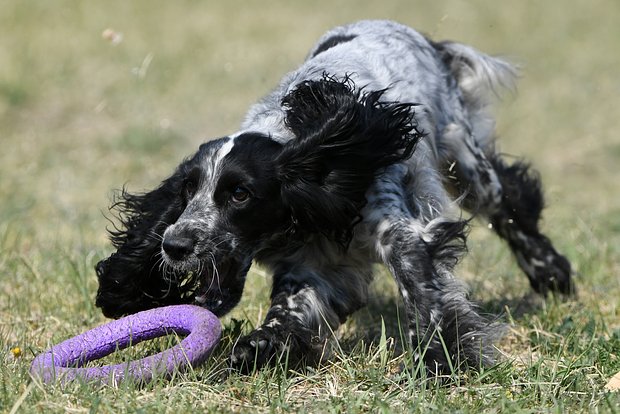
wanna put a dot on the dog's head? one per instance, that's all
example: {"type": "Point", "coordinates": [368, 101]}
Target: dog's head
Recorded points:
{"type": "Point", "coordinates": [193, 238]}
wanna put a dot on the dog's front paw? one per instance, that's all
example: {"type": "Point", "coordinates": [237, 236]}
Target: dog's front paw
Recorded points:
{"type": "Point", "coordinates": [256, 350]}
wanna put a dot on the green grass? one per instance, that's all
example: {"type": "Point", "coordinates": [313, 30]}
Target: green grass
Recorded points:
{"type": "Point", "coordinates": [80, 116]}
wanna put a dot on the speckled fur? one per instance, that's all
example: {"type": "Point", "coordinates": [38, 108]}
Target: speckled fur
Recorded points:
{"type": "Point", "coordinates": [411, 220]}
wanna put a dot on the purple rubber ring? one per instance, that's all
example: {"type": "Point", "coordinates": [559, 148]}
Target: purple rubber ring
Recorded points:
{"type": "Point", "coordinates": [64, 362]}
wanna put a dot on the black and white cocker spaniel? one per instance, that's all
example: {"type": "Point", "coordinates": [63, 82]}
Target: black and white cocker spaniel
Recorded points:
{"type": "Point", "coordinates": [365, 154]}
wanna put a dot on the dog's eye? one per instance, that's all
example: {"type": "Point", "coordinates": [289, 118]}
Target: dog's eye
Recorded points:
{"type": "Point", "coordinates": [189, 188]}
{"type": "Point", "coordinates": [191, 183]}
{"type": "Point", "coordinates": [240, 194]}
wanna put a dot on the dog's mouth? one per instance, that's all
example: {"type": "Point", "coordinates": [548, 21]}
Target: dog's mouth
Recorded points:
{"type": "Point", "coordinates": [211, 291]}
{"type": "Point", "coordinates": [217, 287]}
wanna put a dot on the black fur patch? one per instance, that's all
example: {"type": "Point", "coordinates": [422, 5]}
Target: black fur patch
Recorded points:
{"type": "Point", "coordinates": [523, 199]}
{"type": "Point", "coordinates": [129, 280]}
{"type": "Point", "coordinates": [517, 223]}
{"type": "Point", "coordinates": [331, 42]}
{"type": "Point", "coordinates": [343, 139]}
{"type": "Point", "coordinates": [250, 165]}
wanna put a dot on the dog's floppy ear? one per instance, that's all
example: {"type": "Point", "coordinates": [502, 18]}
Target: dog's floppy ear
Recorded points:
{"type": "Point", "coordinates": [131, 279]}
{"type": "Point", "coordinates": [343, 138]}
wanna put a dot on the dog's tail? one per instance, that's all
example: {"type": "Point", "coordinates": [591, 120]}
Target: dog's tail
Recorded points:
{"type": "Point", "coordinates": [479, 75]}
{"type": "Point", "coordinates": [481, 79]}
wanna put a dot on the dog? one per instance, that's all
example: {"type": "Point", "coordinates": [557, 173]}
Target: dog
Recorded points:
{"type": "Point", "coordinates": [367, 153]}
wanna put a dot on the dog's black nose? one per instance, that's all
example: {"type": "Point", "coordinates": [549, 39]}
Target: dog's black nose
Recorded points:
{"type": "Point", "coordinates": [178, 248]}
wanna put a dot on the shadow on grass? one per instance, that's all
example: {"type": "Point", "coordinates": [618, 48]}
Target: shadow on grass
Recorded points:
{"type": "Point", "coordinates": [517, 307]}
{"type": "Point", "coordinates": [366, 323]}
{"type": "Point", "coordinates": [364, 328]}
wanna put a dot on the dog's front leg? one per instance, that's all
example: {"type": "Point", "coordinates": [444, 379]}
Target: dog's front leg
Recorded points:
{"type": "Point", "coordinates": [421, 246]}
{"type": "Point", "coordinates": [444, 328]}
{"type": "Point", "coordinates": [306, 308]}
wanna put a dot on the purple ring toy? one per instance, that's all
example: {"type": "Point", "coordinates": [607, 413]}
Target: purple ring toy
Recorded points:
{"type": "Point", "coordinates": [202, 327]}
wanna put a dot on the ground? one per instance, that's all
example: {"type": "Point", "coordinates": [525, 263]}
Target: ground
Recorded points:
{"type": "Point", "coordinates": [82, 113]}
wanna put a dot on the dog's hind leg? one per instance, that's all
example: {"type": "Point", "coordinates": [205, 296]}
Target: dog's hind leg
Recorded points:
{"type": "Point", "coordinates": [421, 247]}
{"type": "Point", "coordinates": [511, 198]}
{"type": "Point", "coordinates": [517, 222]}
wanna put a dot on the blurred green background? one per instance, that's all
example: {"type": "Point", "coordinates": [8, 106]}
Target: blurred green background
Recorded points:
{"type": "Point", "coordinates": [82, 114]}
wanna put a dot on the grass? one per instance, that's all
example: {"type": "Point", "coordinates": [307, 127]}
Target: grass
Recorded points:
{"type": "Point", "coordinates": [80, 116]}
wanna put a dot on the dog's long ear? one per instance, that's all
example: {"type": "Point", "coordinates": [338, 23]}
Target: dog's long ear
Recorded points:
{"type": "Point", "coordinates": [131, 279]}
{"type": "Point", "coordinates": [344, 138]}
